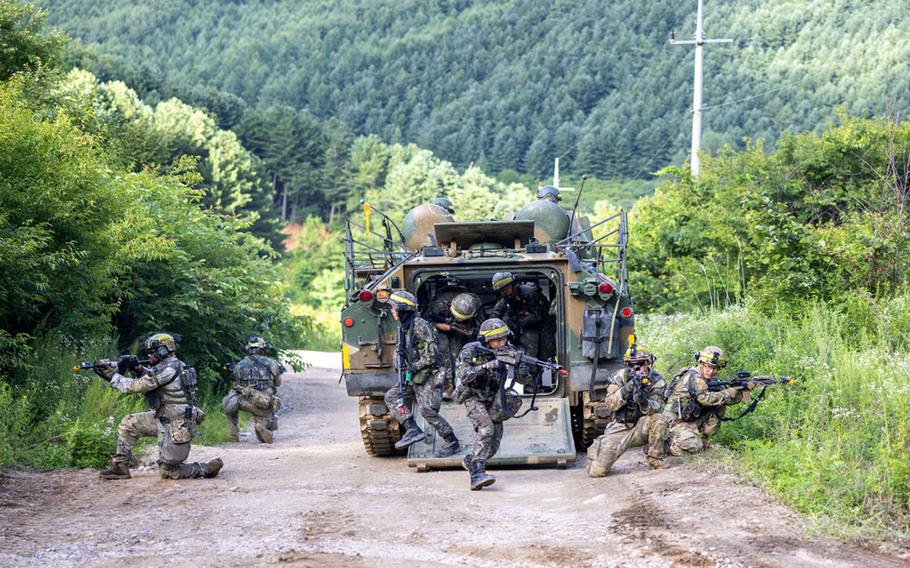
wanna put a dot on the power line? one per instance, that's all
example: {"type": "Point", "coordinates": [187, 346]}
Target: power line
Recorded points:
{"type": "Point", "coordinates": [768, 92]}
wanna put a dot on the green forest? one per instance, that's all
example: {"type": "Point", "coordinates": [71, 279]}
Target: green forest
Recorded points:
{"type": "Point", "coordinates": [170, 167]}
{"type": "Point", "coordinates": [509, 85]}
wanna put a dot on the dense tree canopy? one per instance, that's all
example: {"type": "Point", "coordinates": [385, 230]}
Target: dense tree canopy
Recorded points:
{"type": "Point", "coordinates": [512, 84]}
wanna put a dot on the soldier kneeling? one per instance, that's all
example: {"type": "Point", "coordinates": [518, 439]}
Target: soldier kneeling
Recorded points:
{"type": "Point", "coordinates": [635, 396]}
{"type": "Point", "coordinates": [169, 388]}
{"type": "Point", "coordinates": [257, 378]}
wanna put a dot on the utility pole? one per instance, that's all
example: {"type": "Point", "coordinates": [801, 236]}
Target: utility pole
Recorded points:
{"type": "Point", "coordinates": [699, 43]}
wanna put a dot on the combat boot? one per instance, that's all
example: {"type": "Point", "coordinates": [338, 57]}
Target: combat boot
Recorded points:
{"type": "Point", "coordinates": [450, 448]}
{"type": "Point", "coordinates": [412, 434]}
{"type": "Point", "coordinates": [657, 463]}
{"type": "Point", "coordinates": [117, 470]}
{"type": "Point", "coordinates": [212, 468]}
{"type": "Point", "coordinates": [479, 477]}
{"type": "Point", "coordinates": [466, 462]}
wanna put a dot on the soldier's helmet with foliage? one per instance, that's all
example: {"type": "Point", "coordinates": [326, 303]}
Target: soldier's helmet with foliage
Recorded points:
{"type": "Point", "coordinates": [403, 301]}
{"type": "Point", "coordinates": [257, 345]}
{"type": "Point", "coordinates": [502, 279]}
{"type": "Point", "coordinates": [639, 353]}
{"type": "Point", "coordinates": [713, 356]}
{"type": "Point", "coordinates": [445, 203]}
{"type": "Point", "coordinates": [550, 192]}
{"type": "Point", "coordinates": [161, 344]}
{"type": "Point", "coordinates": [493, 328]}
{"type": "Point", "coordinates": [464, 306]}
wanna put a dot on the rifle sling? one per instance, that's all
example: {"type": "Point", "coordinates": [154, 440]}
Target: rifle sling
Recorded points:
{"type": "Point", "coordinates": [749, 409]}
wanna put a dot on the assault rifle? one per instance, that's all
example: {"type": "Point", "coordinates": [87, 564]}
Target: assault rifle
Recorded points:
{"type": "Point", "coordinates": [512, 358]}
{"type": "Point", "coordinates": [741, 380]}
{"type": "Point", "coordinates": [123, 363]}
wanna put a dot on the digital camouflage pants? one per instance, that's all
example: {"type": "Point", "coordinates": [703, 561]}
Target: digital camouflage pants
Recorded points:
{"type": "Point", "coordinates": [487, 433]}
{"type": "Point", "coordinates": [174, 438]}
{"type": "Point", "coordinates": [427, 397]}
{"type": "Point", "coordinates": [264, 420]}
{"type": "Point", "coordinates": [650, 431]}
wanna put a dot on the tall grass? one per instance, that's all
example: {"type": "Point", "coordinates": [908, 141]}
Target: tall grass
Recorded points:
{"type": "Point", "coordinates": [837, 444]}
{"type": "Point", "coordinates": [51, 417]}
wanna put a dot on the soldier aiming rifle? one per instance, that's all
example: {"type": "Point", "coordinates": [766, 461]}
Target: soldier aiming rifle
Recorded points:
{"type": "Point", "coordinates": [169, 387]}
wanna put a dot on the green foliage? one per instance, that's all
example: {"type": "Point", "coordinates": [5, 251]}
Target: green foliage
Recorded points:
{"type": "Point", "coordinates": [23, 44]}
{"type": "Point", "coordinates": [512, 84]}
{"type": "Point", "coordinates": [821, 216]}
{"type": "Point", "coordinates": [835, 444]}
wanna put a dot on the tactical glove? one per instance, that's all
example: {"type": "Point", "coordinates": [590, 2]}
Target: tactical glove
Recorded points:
{"type": "Point", "coordinates": [494, 364]}
{"type": "Point", "coordinates": [105, 369]}
{"type": "Point", "coordinates": [627, 388]}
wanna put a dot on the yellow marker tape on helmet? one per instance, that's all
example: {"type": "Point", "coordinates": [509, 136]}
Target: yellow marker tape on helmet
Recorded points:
{"type": "Point", "coordinates": [503, 282]}
{"type": "Point", "coordinates": [490, 332]}
{"type": "Point", "coordinates": [459, 315]}
{"type": "Point", "coordinates": [366, 216]}
{"type": "Point", "coordinates": [405, 301]}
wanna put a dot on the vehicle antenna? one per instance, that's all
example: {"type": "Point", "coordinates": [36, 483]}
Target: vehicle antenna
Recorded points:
{"type": "Point", "coordinates": [577, 199]}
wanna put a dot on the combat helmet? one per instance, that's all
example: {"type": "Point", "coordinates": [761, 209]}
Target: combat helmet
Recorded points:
{"type": "Point", "coordinates": [502, 279]}
{"type": "Point", "coordinates": [161, 344]}
{"type": "Point", "coordinates": [493, 328]}
{"type": "Point", "coordinates": [550, 192]}
{"type": "Point", "coordinates": [257, 345]}
{"type": "Point", "coordinates": [638, 353]}
{"type": "Point", "coordinates": [713, 356]}
{"type": "Point", "coordinates": [464, 306]}
{"type": "Point", "coordinates": [445, 203]}
{"type": "Point", "coordinates": [402, 300]}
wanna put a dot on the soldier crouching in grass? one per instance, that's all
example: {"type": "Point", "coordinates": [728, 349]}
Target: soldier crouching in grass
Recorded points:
{"type": "Point", "coordinates": [172, 418]}
{"type": "Point", "coordinates": [635, 397]}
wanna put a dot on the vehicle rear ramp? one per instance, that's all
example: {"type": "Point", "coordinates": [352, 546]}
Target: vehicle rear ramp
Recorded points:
{"type": "Point", "coordinates": [543, 436]}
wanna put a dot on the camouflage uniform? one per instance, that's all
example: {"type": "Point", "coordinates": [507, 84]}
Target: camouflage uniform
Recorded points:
{"type": "Point", "coordinates": [633, 425]}
{"type": "Point", "coordinates": [168, 422]}
{"type": "Point", "coordinates": [692, 436]}
{"type": "Point", "coordinates": [451, 342]}
{"type": "Point", "coordinates": [425, 387]}
{"type": "Point", "coordinates": [479, 389]}
{"type": "Point", "coordinates": [255, 391]}
{"type": "Point", "coordinates": [526, 313]}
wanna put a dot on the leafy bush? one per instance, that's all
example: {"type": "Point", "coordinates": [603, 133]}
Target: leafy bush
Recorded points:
{"type": "Point", "coordinates": [834, 445]}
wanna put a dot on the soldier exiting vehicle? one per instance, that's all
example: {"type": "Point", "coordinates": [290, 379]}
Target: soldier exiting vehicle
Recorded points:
{"type": "Point", "coordinates": [525, 310]}
{"type": "Point", "coordinates": [169, 388]}
{"type": "Point", "coordinates": [457, 322]}
{"type": "Point", "coordinates": [420, 379]}
{"type": "Point", "coordinates": [635, 396]}
{"type": "Point", "coordinates": [695, 412]}
{"type": "Point", "coordinates": [481, 377]}
{"type": "Point", "coordinates": [256, 381]}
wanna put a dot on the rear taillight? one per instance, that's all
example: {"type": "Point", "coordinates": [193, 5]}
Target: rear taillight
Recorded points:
{"type": "Point", "coordinates": [605, 288]}
{"type": "Point", "coordinates": [348, 322]}
{"type": "Point", "coordinates": [626, 312]}
{"type": "Point", "coordinates": [365, 296]}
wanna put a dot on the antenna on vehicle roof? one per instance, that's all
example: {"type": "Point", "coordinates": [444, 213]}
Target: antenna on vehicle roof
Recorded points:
{"type": "Point", "coordinates": [577, 199]}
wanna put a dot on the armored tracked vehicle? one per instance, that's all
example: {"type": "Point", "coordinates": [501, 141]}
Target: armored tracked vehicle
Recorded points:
{"type": "Point", "coordinates": [579, 267]}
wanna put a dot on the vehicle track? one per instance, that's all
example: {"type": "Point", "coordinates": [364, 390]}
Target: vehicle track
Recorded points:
{"type": "Point", "coordinates": [314, 498]}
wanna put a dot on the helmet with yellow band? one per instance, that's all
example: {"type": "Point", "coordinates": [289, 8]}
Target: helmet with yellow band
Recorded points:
{"type": "Point", "coordinates": [502, 279]}
{"type": "Point", "coordinates": [493, 328]}
{"type": "Point", "coordinates": [402, 300]}
{"type": "Point", "coordinates": [638, 353]}
{"type": "Point", "coordinates": [464, 306]}
{"type": "Point", "coordinates": [713, 356]}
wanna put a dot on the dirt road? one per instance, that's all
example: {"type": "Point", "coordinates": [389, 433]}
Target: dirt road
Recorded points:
{"type": "Point", "coordinates": [314, 498]}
